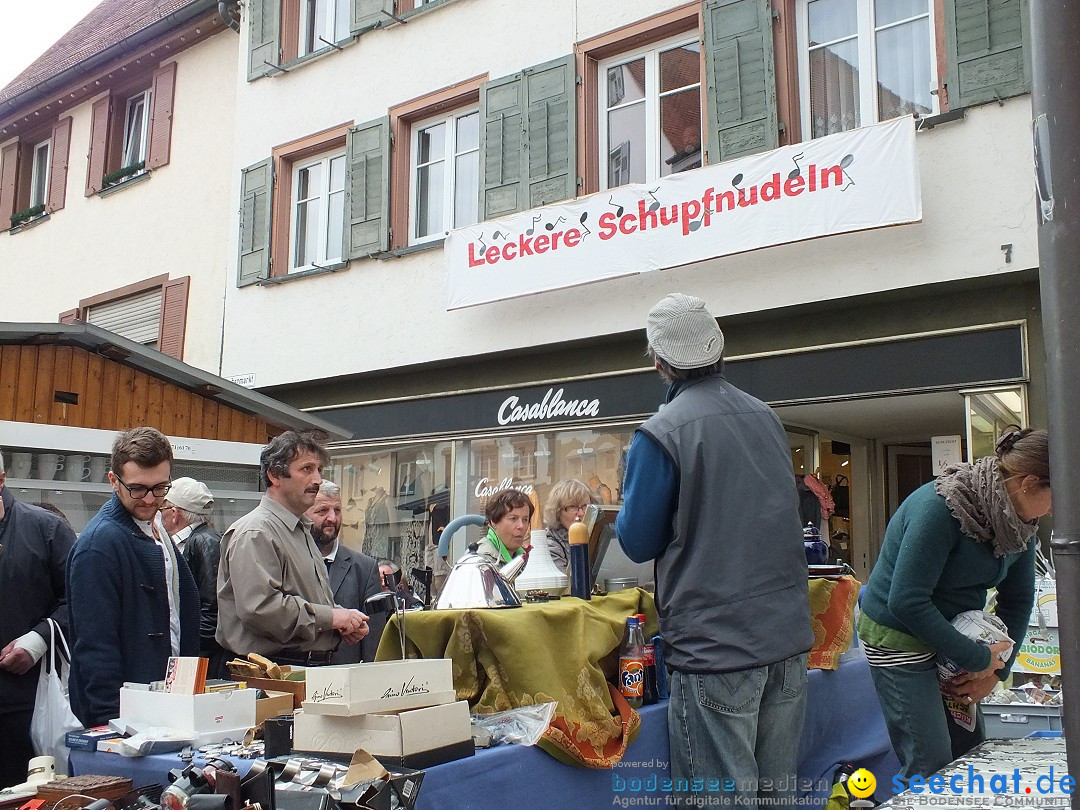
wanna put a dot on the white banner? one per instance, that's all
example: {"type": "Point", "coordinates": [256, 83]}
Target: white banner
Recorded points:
{"type": "Point", "coordinates": [852, 181]}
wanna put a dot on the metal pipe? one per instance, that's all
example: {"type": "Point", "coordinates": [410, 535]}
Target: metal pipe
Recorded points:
{"type": "Point", "coordinates": [1055, 37]}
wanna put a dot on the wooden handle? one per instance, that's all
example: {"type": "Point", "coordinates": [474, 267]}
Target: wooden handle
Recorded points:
{"type": "Point", "coordinates": [579, 534]}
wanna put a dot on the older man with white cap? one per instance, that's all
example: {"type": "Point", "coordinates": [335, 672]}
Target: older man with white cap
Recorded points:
{"type": "Point", "coordinates": [710, 496]}
{"type": "Point", "coordinates": [185, 515]}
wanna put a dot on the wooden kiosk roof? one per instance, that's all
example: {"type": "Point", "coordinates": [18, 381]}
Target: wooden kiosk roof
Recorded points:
{"type": "Point", "coordinates": [84, 376]}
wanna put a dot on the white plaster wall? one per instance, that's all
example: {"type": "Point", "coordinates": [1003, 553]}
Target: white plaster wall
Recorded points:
{"type": "Point", "coordinates": [176, 222]}
{"type": "Point", "coordinates": [976, 183]}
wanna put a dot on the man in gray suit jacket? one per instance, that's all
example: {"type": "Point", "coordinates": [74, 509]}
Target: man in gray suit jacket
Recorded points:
{"type": "Point", "coordinates": [354, 576]}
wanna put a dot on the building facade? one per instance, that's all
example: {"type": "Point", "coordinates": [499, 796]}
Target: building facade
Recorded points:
{"type": "Point", "coordinates": [115, 167]}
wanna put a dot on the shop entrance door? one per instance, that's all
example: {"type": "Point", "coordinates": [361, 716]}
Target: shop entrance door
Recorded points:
{"type": "Point", "coordinates": [909, 467]}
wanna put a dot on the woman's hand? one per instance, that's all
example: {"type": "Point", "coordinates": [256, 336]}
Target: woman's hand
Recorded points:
{"type": "Point", "coordinates": [972, 687]}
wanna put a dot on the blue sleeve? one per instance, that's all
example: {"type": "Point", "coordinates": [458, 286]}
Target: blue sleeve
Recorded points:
{"type": "Point", "coordinates": [94, 599]}
{"type": "Point", "coordinates": [650, 497]}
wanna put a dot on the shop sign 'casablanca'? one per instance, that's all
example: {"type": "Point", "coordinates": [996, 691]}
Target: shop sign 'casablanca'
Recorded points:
{"type": "Point", "coordinates": [852, 181]}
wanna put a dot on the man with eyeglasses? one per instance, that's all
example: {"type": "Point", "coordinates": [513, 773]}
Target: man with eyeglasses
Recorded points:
{"type": "Point", "coordinates": [133, 601]}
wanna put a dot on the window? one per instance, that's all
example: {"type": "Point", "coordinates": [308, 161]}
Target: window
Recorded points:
{"type": "Point", "coordinates": [136, 317]}
{"type": "Point", "coordinates": [650, 113]}
{"type": "Point", "coordinates": [152, 312]}
{"type": "Point", "coordinates": [318, 211]}
{"type": "Point", "coordinates": [446, 175]}
{"type": "Point", "coordinates": [128, 133]}
{"type": "Point", "coordinates": [39, 175]}
{"type": "Point", "coordinates": [135, 121]}
{"type": "Point", "coordinates": [33, 174]}
{"type": "Point", "coordinates": [864, 61]}
{"type": "Point", "coordinates": [322, 23]}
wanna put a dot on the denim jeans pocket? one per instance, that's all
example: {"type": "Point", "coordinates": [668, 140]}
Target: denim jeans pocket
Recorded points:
{"type": "Point", "coordinates": [731, 691]}
{"type": "Point", "coordinates": [794, 675]}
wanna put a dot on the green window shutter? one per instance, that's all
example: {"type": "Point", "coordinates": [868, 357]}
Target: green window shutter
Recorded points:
{"type": "Point", "coordinates": [366, 14]}
{"type": "Point", "coordinates": [264, 36]}
{"type": "Point", "coordinates": [256, 183]}
{"type": "Point", "coordinates": [528, 139]}
{"type": "Point", "coordinates": [987, 40]}
{"type": "Point", "coordinates": [502, 103]}
{"type": "Point", "coordinates": [550, 129]}
{"type": "Point", "coordinates": [367, 189]}
{"type": "Point", "coordinates": [740, 78]}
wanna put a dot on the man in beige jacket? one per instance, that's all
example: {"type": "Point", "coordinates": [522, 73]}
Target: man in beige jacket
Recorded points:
{"type": "Point", "coordinates": [274, 595]}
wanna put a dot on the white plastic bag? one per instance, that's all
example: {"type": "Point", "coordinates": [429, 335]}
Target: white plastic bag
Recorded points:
{"type": "Point", "coordinates": [983, 628]}
{"type": "Point", "coordinates": [52, 710]}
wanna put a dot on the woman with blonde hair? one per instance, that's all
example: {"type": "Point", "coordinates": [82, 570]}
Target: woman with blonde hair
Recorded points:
{"type": "Point", "coordinates": [566, 505]}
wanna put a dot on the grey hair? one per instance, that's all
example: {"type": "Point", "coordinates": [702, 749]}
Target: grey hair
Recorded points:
{"type": "Point", "coordinates": [1, 462]}
{"type": "Point", "coordinates": [190, 517]}
{"type": "Point", "coordinates": [329, 489]}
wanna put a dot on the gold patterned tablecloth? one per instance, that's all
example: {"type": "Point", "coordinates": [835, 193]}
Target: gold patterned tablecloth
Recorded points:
{"type": "Point", "coordinates": [566, 650]}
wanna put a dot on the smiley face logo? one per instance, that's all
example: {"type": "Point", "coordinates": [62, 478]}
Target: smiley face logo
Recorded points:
{"type": "Point", "coordinates": [861, 784]}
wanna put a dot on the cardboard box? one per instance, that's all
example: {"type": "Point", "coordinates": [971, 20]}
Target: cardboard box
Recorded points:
{"type": "Point", "coordinates": [433, 735]}
{"type": "Point", "coordinates": [383, 686]}
{"type": "Point", "coordinates": [211, 717]}
{"type": "Point", "coordinates": [1040, 653]}
{"type": "Point", "coordinates": [274, 704]}
{"type": "Point", "coordinates": [88, 739]}
{"type": "Point", "coordinates": [298, 689]}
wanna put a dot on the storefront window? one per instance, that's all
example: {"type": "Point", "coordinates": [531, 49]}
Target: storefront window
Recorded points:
{"type": "Point", "coordinates": [394, 500]}
{"type": "Point", "coordinates": [989, 413]}
{"type": "Point", "coordinates": [535, 463]}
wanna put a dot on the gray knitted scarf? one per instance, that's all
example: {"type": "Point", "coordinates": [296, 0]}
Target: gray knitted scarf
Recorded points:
{"type": "Point", "coordinates": [976, 496]}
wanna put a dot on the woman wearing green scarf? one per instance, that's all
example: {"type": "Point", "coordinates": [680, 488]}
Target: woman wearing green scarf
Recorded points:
{"type": "Point", "coordinates": [508, 520]}
{"type": "Point", "coordinates": [971, 529]}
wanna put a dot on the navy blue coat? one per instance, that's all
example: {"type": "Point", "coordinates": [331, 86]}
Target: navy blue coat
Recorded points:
{"type": "Point", "coordinates": [118, 604]}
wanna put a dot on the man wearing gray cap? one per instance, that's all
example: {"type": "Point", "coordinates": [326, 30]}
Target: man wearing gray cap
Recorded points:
{"type": "Point", "coordinates": [185, 515]}
{"type": "Point", "coordinates": [710, 496]}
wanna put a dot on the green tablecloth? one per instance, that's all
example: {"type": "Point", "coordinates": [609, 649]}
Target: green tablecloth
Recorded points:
{"type": "Point", "coordinates": [566, 650]}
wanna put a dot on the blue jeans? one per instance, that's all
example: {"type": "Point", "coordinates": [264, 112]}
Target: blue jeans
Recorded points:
{"type": "Point", "coordinates": [742, 728]}
{"type": "Point", "coordinates": [923, 735]}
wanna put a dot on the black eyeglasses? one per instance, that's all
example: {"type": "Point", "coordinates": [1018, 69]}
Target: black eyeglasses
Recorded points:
{"type": "Point", "coordinates": [138, 491]}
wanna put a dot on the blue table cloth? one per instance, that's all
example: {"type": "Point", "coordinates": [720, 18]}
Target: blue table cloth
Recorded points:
{"type": "Point", "coordinates": [843, 724]}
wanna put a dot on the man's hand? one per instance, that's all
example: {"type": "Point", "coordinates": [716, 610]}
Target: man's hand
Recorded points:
{"type": "Point", "coordinates": [15, 659]}
{"type": "Point", "coordinates": [352, 624]}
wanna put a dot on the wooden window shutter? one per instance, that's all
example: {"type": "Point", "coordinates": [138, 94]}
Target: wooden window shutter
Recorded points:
{"type": "Point", "coordinates": [367, 189]}
{"type": "Point", "coordinates": [59, 155]}
{"type": "Point", "coordinates": [71, 316]}
{"type": "Point", "coordinates": [174, 298]}
{"type": "Point", "coordinates": [290, 29]}
{"type": "Point", "coordinates": [161, 101]}
{"type": "Point", "coordinates": [264, 30]}
{"type": "Point", "coordinates": [740, 77]}
{"type": "Point", "coordinates": [368, 14]}
{"type": "Point", "coordinates": [256, 185]}
{"type": "Point", "coordinates": [987, 40]}
{"type": "Point", "coordinates": [550, 157]}
{"type": "Point", "coordinates": [99, 146]}
{"type": "Point", "coordinates": [502, 109]}
{"type": "Point", "coordinates": [9, 179]}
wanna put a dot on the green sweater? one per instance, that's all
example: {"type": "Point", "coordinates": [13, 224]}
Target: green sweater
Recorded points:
{"type": "Point", "coordinates": [929, 571]}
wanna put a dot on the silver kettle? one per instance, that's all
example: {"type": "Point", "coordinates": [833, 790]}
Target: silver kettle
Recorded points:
{"type": "Point", "coordinates": [476, 582]}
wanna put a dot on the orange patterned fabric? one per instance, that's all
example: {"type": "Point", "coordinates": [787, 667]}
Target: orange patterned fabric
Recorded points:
{"type": "Point", "coordinates": [832, 612]}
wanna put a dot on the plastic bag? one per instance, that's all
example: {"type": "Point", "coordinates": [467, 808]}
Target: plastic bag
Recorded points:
{"type": "Point", "coordinates": [156, 740]}
{"type": "Point", "coordinates": [53, 718]}
{"type": "Point", "coordinates": [984, 628]}
{"type": "Point", "coordinates": [524, 725]}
